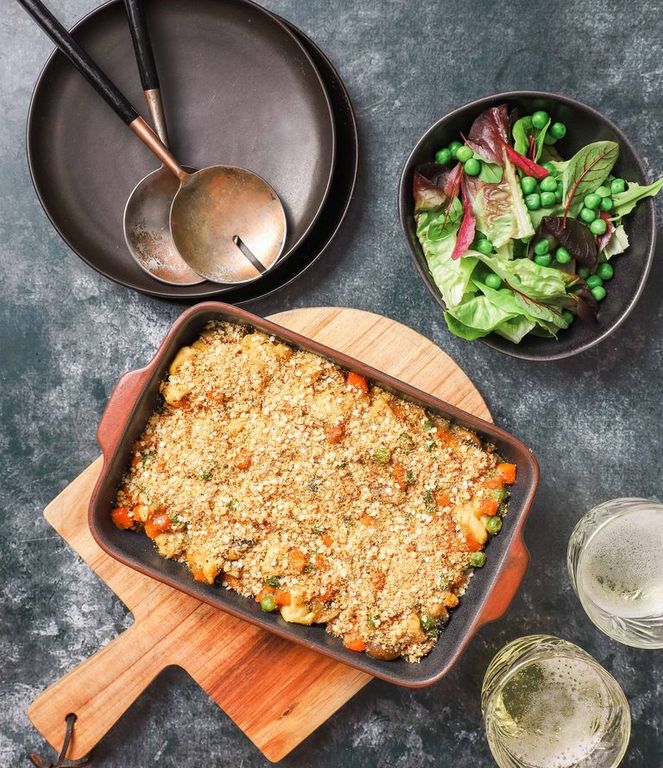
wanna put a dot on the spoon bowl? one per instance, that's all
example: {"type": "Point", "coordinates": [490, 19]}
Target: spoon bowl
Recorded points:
{"type": "Point", "coordinates": [147, 229]}
{"type": "Point", "coordinates": [229, 222]}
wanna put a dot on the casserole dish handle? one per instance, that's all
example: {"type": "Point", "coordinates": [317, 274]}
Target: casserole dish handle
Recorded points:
{"type": "Point", "coordinates": [116, 416]}
{"type": "Point", "coordinates": [508, 582]}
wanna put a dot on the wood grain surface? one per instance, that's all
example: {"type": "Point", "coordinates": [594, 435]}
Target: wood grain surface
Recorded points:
{"type": "Point", "coordinates": [223, 654]}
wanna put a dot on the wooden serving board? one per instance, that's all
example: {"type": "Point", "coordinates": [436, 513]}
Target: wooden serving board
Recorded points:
{"type": "Point", "coordinates": [222, 653]}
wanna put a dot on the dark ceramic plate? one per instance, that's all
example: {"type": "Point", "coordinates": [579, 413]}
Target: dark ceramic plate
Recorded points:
{"type": "Point", "coordinates": [492, 588]}
{"type": "Point", "coordinates": [238, 87]}
{"type": "Point", "coordinates": [340, 191]}
{"type": "Point", "coordinates": [585, 125]}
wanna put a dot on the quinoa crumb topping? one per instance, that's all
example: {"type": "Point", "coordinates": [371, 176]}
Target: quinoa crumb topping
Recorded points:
{"type": "Point", "coordinates": [273, 472]}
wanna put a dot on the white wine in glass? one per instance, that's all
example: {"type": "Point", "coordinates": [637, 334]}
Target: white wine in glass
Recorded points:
{"type": "Point", "coordinates": [616, 568]}
{"type": "Point", "coordinates": [547, 703]}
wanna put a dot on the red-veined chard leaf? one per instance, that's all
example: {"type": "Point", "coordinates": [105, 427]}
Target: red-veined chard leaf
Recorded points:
{"type": "Point", "coordinates": [574, 236]}
{"type": "Point", "coordinates": [526, 165]}
{"type": "Point", "coordinates": [467, 227]}
{"type": "Point", "coordinates": [585, 172]}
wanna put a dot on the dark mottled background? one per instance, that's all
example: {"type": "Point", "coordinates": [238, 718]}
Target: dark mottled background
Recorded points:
{"type": "Point", "coordinates": [594, 421]}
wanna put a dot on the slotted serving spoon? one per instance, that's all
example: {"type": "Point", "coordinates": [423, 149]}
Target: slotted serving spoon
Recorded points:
{"type": "Point", "coordinates": [147, 212]}
{"type": "Point", "coordinates": [227, 223]}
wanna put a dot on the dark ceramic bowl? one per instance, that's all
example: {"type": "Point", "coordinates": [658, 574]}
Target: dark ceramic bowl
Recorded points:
{"type": "Point", "coordinates": [585, 126]}
{"type": "Point", "coordinates": [492, 588]}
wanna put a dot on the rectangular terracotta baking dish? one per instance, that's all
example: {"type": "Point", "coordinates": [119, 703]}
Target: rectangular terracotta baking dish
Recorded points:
{"type": "Point", "coordinates": [490, 592]}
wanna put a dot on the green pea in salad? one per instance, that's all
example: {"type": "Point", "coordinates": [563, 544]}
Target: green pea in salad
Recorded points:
{"type": "Point", "coordinates": [518, 240]}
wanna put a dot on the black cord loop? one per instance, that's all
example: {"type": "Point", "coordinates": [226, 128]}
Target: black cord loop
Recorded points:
{"type": "Point", "coordinates": [62, 761]}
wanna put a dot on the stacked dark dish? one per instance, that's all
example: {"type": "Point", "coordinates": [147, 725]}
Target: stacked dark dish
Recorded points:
{"type": "Point", "coordinates": [256, 92]}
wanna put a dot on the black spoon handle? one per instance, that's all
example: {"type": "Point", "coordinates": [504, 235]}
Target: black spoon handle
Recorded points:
{"type": "Point", "coordinates": [142, 44]}
{"type": "Point", "coordinates": [147, 67]}
{"type": "Point", "coordinates": [80, 59]}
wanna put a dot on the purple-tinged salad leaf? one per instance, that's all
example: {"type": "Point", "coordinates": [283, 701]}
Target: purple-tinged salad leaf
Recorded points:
{"type": "Point", "coordinates": [583, 303]}
{"type": "Point", "coordinates": [489, 133]}
{"type": "Point", "coordinates": [604, 239]}
{"type": "Point", "coordinates": [428, 187]}
{"type": "Point", "coordinates": [617, 244]}
{"type": "Point", "coordinates": [467, 228]}
{"type": "Point", "coordinates": [574, 236]}
{"type": "Point", "coordinates": [437, 229]}
{"type": "Point", "coordinates": [499, 208]}
{"type": "Point", "coordinates": [626, 201]}
{"type": "Point", "coordinates": [452, 182]}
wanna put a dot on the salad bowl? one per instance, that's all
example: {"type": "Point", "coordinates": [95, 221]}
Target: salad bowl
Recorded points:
{"type": "Point", "coordinates": [585, 126]}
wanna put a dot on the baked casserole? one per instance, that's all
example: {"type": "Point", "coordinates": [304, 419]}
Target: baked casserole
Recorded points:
{"type": "Point", "coordinates": [274, 472]}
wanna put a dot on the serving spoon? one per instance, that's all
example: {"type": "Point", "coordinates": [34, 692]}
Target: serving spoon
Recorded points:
{"type": "Point", "coordinates": [227, 223]}
{"type": "Point", "coordinates": [147, 212]}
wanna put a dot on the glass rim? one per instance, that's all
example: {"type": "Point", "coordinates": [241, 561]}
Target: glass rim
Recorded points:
{"type": "Point", "coordinates": [570, 651]}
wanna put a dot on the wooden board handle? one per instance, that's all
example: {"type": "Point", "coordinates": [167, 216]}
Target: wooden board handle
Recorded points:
{"type": "Point", "coordinates": [99, 691]}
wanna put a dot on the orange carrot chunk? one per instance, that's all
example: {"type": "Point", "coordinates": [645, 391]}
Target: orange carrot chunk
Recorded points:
{"type": "Point", "coordinates": [321, 563]}
{"type": "Point", "coordinates": [472, 544]}
{"type": "Point", "coordinates": [494, 483]}
{"type": "Point", "coordinates": [297, 560]}
{"type": "Point", "coordinates": [120, 516]}
{"type": "Point", "coordinates": [508, 472]}
{"type": "Point", "coordinates": [157, 524]}
{"type": "Point", "coordinates": [489, 506]}
{"type": "Point", "coordinates": [198, 574]}
{"type": "Point", "coordinates": [335, 434]}
{"type": "Point", "coordinates": [444, 435]}
{"type": "Point", "coordinates": [441, 498]}
{"type": "Point", "coordinates": [355, 644]}
{"type": "Point", "coordinates": [282, 597]}
{"type": "Point", "coordinates": [243, 460]}
{"type": "Point", "coordinates": [400, 475]}
{"type": "Point", "coordinates": [357, 381]}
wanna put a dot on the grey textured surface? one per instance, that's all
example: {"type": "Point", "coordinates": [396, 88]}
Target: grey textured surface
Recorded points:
{"type": "Point", "coordinates": [594, 421]}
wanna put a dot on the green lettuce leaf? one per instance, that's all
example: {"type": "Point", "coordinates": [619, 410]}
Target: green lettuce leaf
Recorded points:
{"type": "Point", "coordinates": [437, 235]}
{"type": "Point", "coordinates": [475, 318]}
{"type": "Point", "coordinates": [626, 201]}
{"type": "Point", "coordinates": [515, 329]}
{"type": "Point", "coordinates": [491, 173]}
{"type": "Point", "coordinates": [522, 130]}
{"type": "Point", "coordinates": [529, 278]}
{"type": "Point", "coordinates": [499, 208]}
